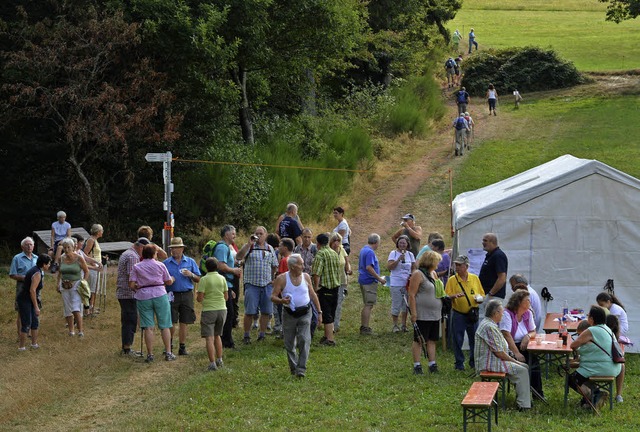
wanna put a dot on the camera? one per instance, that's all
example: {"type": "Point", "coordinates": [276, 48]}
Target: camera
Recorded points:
{"type": "Point", "coordinates": [254, 237]}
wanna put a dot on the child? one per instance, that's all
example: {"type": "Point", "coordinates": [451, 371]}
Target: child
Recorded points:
{"type": "Point", "coordinates": [611, 302]}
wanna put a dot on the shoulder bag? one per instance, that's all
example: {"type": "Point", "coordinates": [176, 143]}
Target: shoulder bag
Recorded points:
{"type": "Point", "coordinates": [474, 312]}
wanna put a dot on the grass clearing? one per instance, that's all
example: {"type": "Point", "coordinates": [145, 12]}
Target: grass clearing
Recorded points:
{"type": "Point", "coordinates": [577, 30]}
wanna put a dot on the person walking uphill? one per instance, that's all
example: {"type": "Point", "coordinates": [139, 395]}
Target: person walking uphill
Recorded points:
{"type": "Point", "coordinates": [492, 98]}
{"type": "Point", "coordinates": [462, 100]}
{"type": "Point", "coordinates": [472, 41]}
{"type": "Point", "coordinates": [369, 278]}
{"type": "Point", "coordinates": [185, 272]}
{"type": "Point", "coordinates": [461, 127]}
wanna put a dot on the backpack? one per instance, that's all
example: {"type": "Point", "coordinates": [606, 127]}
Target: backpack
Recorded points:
{"type": "Point", "coordinates": [462, 97]}
{"type": "Point", "coordinates": [207, 252]}
{"type": "Point", "coordinates": [460, 123]}
{"type": "Point", "coordinates": [447, 303]}
{"type": "Point", "coordinates": [450, 63]}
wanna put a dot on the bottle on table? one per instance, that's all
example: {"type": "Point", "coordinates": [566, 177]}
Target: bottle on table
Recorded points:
{"type": "Point", "coordinates": [565, 309]}
{"type": "Point", "coordinates": [564, 333]}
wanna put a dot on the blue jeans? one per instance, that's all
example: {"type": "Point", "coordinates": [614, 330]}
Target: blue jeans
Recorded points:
{"type": "Point", "coordinates": [459, 325]}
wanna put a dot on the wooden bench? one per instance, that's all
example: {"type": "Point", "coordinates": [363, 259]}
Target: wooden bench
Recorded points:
{"type": "Point", "coordinates": [478, 403]}
{"type": "Point", "coordinates": [501, 379]}
{"type": "Point", "coordinates": [602, 383]}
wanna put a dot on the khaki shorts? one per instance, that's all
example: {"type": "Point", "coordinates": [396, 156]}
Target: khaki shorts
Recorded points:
{"type": "Point", "coordinates": [369, 294]}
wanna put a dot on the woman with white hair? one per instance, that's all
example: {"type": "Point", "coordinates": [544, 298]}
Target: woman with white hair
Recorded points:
{"type": "Point", "coordinates": [92, 249]}
{"type": "Point", "coordinates": [73, 269]}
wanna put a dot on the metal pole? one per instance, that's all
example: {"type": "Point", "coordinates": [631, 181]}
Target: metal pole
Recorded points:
{"type": "Point", "coordinates": [168, 189]}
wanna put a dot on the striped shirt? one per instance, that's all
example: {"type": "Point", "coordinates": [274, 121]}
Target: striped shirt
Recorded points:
{"type": "Point", "coordinates": [128, 259]}
{"type": "Point", "coordinates": [259, 264]}
{"type": "Point", "coordinates": [327, 265]}
{"type": "Point", "coordinates": [489, 340]}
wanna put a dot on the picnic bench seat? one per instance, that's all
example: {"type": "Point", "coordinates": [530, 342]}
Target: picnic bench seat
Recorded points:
{"type": "Point", "coordinates": [602, 383]}
{"type": "Point", "coordinates": [478, 403]}
{"type": "Point", "coordinates": [42, 240]}
{"type": "Point", "coordinates": [501, 379]}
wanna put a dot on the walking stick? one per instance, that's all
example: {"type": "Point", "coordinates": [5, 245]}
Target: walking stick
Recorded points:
{"type": "Point", "coordinates": [421, 339]}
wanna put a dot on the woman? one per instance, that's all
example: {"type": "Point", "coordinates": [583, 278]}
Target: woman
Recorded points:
{"type": "Point", "coordinates": [492, 97]}
{"type": "Point", "coordinates": [616, 308]}
{"type": "Point", "coordinates": [213, 294]}
{"type": "Point", "coordinates": [148, 279]}
{"type": "Point", "coordinates": [594, 346]}
{"type": "Point", "coordinates": [294, 291]}
{"type": "Point", "coordinates": [28, 300]}
{"type": "Point", "coordinates": [401, 263]}
{"type": "Point", "coordinates": [614, 324]}
{"type": "Point", "coordinates": [60, 229]}
{"type": "Point", "coordinates": [335, 242]}
{"type": "Point", "coordinates": [425, 310]}
{"type": "Point", "coordinates": [491, 354]}
{"type": "Point", "coordinates": [92, 249]}
{"type": "Point", "coordinates": [518, 328]}
{"type": "Point", "coordinates": [342, 228]}
{"type": "Point", "coordinates": [73, 269]}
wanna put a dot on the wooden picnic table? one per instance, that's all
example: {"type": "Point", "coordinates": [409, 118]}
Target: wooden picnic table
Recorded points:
{"type": "Point", "coordinates": [549, 353]}
{"type": "Point", "coordinates": [551, 325]}
{"type": "Point", "coordinates": [42, 240]}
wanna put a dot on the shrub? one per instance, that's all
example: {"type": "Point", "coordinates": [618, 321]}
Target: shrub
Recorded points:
{"type": "Point", "coordinates": [527, 69]}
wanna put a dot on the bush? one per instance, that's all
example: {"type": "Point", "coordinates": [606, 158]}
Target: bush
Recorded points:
{"type": "Point", "coordinates": [527, 69]}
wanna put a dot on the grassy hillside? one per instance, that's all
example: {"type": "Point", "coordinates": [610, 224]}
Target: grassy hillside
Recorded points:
{"type": "Point", "coordinates": [577, 30]}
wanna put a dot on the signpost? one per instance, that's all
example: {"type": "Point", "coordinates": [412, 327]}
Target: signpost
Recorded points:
{"type": "Point", "coordinates": [165, 158]}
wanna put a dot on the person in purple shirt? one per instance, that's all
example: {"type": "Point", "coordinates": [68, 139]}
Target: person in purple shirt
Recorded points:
{"type": "Point", "coordinates": [148, 279]}
{"type": "Point", "coordinates": [368, 278]}
{"type": "Point", "coordinates": [444, 267]}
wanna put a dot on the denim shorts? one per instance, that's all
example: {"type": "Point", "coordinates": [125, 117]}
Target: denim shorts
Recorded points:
{"type": "Point", "coordinates": [255, 296]}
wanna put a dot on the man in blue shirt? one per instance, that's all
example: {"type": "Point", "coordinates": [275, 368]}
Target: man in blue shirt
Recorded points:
{"type": "Point", "coordinates": [368, 278]}
{"type": "Point", "coordinates": [185, 271]}
{"type": "Point", "coordinates": [493, 273]}
{"type": "Point", "coordinates": [227, 268]}
{"type": "Point", "coordinates": [20, 265]}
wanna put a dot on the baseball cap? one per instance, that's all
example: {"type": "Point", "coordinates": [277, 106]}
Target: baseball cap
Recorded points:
{"type": "Point", "coordinates": [462, 259]}
{"type": "Point", "coordinates": [408, 216]}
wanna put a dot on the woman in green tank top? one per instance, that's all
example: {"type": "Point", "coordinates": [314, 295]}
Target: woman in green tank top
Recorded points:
{"type": "Point", "coordinates": [73, 269]}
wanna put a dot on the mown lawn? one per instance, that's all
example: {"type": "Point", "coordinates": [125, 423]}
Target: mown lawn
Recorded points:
{"type": "Point", "coordinates": [577, 30]}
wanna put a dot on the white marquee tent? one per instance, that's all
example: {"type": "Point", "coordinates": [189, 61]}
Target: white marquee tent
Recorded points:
{"type": "Point", "coordinates": [569, 225]}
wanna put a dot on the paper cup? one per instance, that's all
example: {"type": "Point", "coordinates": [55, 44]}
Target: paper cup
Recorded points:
{"type": "Point", "coordinates": [538, 339]}
{"type": "Point", "coordinates": [559, 343]}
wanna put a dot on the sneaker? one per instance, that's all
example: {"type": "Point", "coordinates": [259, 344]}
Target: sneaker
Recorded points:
{"type": "Point", "coordinates": [601, 398]}
{"type": "Point", "coordinates": [181, 351]}
{"type": "Point", "coordinates": [35, 346]}
{"type": "Point", "coordinates": [328, 342]}
{"type": "Point", "coordinates": [619, 399]}
{"type": "Point", "coordinates": [365, 330]}
{"type": "Point", "coordinates": [150, 358]}
{"type": "Point", "coordinates": [80, 335]}
{"type": "Point", "coordinates": [323, 339]}
{"type": "Point", "coordinates": [417, 370]}
{"type": "Point", "coordinates": [219, 363]}
{"type": "Point", "coordinates": [169, 356]}
{"type": "Point", "coordinates": [22, 348]}
{"type": "Point", "coordinates": [433, 368]}
{"type": "Point", "coordinates": [261, 337]}
{"type": "Point", "coordinates": [72, 333]}
{"type": "Point", "coordinates": [404, 329]}
{"type": "Point", "coordinates": [212, 367]}
{"type": "Point", "coordinates": [300, 374]}
{"type": "Point", "coordinates": [396, 328]}
{"type": "Point", "coordinates": [247, 340]}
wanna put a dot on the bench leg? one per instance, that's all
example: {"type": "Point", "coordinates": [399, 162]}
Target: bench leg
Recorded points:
{"type": "Point", "coordinates": [489, 418]}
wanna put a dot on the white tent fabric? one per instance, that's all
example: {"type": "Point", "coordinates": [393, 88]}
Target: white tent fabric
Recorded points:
{"type": "Point", "coordinates": [569, 224]}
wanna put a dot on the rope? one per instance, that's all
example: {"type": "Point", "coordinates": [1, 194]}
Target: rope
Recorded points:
{"type": "Point", "coordinates": [267, 165]}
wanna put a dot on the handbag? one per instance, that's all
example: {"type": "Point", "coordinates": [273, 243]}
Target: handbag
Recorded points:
{"type": "Point", "coordinates": [67, 284]}
{"type": "Point", "coordinates": [474, 312]}
{"type": "Point", "coordinates": [616, 352]}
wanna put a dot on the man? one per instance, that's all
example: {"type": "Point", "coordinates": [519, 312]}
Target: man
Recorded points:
{"type": "Point", "coordinates": [20, 265]}
{"type": "Point", "coordinates": [449, 67]}
{"type": "Point", "coordinates": [492, 354]}
{"type": "Point", "coordinates": [369, 278]}
{"type": "Point", "coordinates": [260, 264]}
{"type": "Point", "coordinates": [518, 281]}
{"type": "Point", "coordinates": [462, 100]}
{"type": "Point", "coordinates": [472, 41]}
{"type": "Point", "coordinates": [443, 268]}
{"type": "Point", "coordinates": [285, 249]}
{"type": "Point", "coordinates": [307, 250]}
{"type": "Point", "coordinates": [326, 282]}
{"type": "Point", "coordinates": [411, 230]}
{"type": "Point", "coordinates": [289, 226]}
{"type": "Point", "coordinates": [493, 273]}
{"type": "Point", "coordinates": [185, 271]}
{"type": "Point", "coordinates": [471, 124]}
{"type": "Point", "coordinates": [462, 288]}
{"type": "Point", "coordinates": [456, 38]}
{"type": "Point", "coordinates": [125, 296]}
{"type": "Point", "coordinates": [227, 268]}
{"type": "Point", "coordinates": [458, 70]}
{"type": "Point", "coordinates": [294, 291]}
{"type": "Point", "coordinates": [60, 229]}
{"type": "Point", "coordinates": [461, 127]}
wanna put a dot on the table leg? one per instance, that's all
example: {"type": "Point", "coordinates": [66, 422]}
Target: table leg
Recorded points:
{"type": "Point", "coordinates": [566, 380]}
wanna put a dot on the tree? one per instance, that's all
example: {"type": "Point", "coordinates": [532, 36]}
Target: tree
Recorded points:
{"type": "Point", "coordinates": [79, 75]}
{"type": "Point", "coordinates": [620, 10]}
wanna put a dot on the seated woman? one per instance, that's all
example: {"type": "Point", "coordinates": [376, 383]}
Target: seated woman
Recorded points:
{"type": "Point", "coordinates": [614, 324]}
{"type": "Point", "coordinates": [518, 328]}
{"type": "Point", "coordinates": [491, 354]}
{"type": "Point", "coordinates": [615, 307]}
{"type": "Point", "coordinates": [594, 346]}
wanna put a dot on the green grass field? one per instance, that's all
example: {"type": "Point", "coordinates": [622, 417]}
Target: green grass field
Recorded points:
{"type": "Point", "coordinates": [577, 30]}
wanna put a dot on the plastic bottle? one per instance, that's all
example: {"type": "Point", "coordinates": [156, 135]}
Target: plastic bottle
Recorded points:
{"type": "Point", "coordinates": [565, 309]}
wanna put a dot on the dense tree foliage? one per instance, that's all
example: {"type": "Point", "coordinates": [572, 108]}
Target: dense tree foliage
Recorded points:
{"type": "Point", "coordinates": [620, 10]}
{"type": "Point", "coordinates": [90, 86]}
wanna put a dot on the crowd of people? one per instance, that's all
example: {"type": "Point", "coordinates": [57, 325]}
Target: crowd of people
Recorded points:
{"type": "Point", "coordinates": [301, 286]}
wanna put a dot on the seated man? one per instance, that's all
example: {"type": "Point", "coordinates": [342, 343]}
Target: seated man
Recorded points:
{"type": "Point", "coordinates": [491, 354]}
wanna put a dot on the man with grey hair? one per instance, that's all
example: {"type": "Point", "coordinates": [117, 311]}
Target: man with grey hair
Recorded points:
{"type": "Point", "coordinates": [369, 278]}
{"type": "Point", "coordinates": [20, 265]}
{"type": "Point", "coordinates": [518, 281]}
{"type": "Point", "coordinates": [492, 354]}
{"type": "Point", "coordinates": [125, 296]}
{"type": "Point", "coordinates": [493, 273]}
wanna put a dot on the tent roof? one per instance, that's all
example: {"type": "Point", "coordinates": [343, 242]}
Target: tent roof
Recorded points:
{"type": "Point", "coordinates": [473, 205]}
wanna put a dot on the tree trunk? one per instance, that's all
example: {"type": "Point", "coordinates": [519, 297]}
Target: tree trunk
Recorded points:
{"type": "Point", "coordinates": [244, 113]}
{"type": "Point", "coordinates": [86, 193]}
